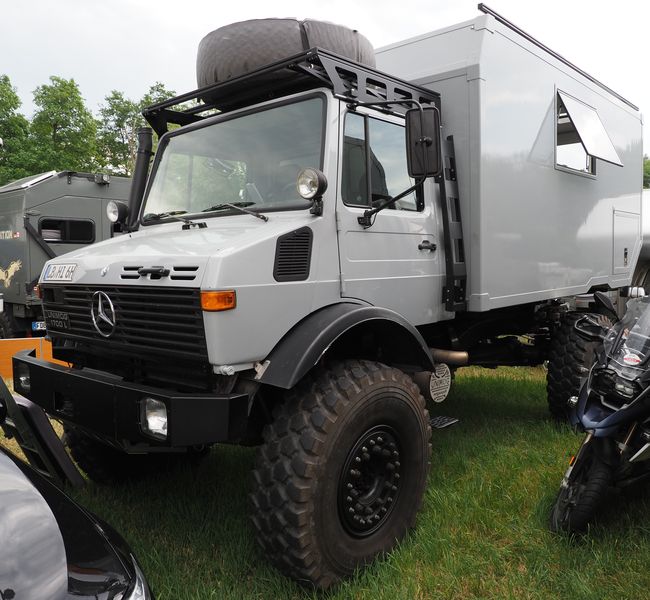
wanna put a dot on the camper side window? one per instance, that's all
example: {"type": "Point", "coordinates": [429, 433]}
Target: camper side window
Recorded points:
{"type": "Point", "coordinates": [580, 136]}
{"type": "Point", "coordinates": [67, 231]}
{"type": "Point", "coordinates": [569, 151]}
{"type": "Point", "coordinates": [374, 158]}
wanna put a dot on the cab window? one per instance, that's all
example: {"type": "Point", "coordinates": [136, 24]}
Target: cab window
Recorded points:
{"type": "Point", "coordinates": [374, 163]}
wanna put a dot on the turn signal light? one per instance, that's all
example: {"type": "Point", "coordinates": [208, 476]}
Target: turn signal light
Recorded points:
{"type": "Point", "coordinates": [215, 301]}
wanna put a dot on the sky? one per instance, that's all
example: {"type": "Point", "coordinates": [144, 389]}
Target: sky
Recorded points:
{"type": "Point", "coordinates": [128, 45]}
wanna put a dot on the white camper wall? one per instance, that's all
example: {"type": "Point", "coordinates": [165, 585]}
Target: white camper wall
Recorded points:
{"type": "Point", "coordinates": [532, 230]}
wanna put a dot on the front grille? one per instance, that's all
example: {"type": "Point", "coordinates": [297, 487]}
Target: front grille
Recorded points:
{"type": "Point", "coordinates": [148, 320]}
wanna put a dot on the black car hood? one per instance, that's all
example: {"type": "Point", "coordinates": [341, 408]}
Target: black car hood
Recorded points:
{"type": "Point", "coordinates": [50, 547]}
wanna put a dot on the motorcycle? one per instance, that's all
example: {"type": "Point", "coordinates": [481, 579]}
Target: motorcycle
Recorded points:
{"type": "Point", "coordinates": [613, 409]}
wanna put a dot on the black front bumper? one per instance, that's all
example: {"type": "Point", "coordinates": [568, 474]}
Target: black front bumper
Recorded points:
{"type": "Point", "coordinates": [111, 408]}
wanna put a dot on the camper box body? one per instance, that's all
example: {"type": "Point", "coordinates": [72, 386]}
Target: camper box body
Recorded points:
{"type": "Point", "coordinates": [533, 229]}
{"type": "Point", "coordinates": [66, 210]}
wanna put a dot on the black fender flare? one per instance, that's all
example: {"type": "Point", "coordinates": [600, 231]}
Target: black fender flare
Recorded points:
{"type": "Point", "coordinates": [303, 346]}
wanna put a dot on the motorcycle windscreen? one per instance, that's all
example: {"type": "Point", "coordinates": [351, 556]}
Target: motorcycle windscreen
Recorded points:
{"type": "Point", "coordinates": [628, 342]}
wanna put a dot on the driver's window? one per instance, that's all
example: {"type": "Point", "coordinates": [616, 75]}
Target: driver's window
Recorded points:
{"type": "Point", "coordinates": [381, 146]}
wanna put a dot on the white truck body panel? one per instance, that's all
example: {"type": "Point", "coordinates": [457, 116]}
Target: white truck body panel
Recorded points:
{"type": "Point", "coordinates": [533, 230]}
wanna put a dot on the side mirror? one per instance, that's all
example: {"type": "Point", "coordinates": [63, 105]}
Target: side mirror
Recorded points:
{"type": "Point", "coordinates": [592, 326]}
{"type": "Point", "coordinates": [605, 302]}
{"type": "Point", "coordinates": [423, 154]}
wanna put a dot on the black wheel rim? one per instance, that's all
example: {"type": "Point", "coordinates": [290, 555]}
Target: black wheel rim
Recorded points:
{"type": "Point", "coordinates": [370, 481]}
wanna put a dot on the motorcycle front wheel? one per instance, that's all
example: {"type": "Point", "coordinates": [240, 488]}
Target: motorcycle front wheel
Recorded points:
{"type": "Point", "coordinates": [583, 489]}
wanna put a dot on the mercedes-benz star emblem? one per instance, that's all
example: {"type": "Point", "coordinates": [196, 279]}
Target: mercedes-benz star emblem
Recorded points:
{"type": "Point", "coordinates": [102, 312]}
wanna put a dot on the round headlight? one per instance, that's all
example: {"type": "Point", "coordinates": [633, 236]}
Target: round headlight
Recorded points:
{"type": "Point", "coordinates": [311, 183]}
{"type": "Point", "coordinates": [116, 211]}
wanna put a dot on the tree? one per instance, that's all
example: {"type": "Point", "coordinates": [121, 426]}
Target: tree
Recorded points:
{"type": "Point", "coordinates": [63, 131]}
{"type": "Point", "coordinates": [116, 135]}
{"type": "Point", "coordinates": [646, 172]}
{"type": "Point", "coordinates": [14, 129]}
{"type": "Point", "coordinates": [120, 119]}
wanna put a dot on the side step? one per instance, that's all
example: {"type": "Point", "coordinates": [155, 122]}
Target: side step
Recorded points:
{"type": "Point", "coordinates": [28, 424]}
{"type": "Point", "coordinates": [442, 422]}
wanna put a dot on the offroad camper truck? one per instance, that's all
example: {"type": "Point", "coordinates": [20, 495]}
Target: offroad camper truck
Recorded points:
{"type": "Point", "coordinates": [314, 234]}
{"type": "Point", "coordinates": [41, 217]}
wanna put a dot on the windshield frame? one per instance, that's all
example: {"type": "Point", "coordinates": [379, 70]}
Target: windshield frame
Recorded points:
{"type": "Point", "coordinates": [222, 118]}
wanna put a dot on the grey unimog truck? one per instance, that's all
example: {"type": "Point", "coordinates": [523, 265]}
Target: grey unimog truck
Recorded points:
{"type": "Point", "coordinates": [315, 233]}
{"type": "Point", "coordinates": [41, 217]}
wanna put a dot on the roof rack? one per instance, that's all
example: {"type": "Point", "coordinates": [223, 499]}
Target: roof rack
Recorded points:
{"type": "Point", "coordinates": [307, 70]}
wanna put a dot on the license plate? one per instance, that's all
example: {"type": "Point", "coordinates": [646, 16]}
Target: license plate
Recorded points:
{"type": "Point", "coordinates": [55, 319]}
{"type": "Point", "coordinates": [59, 272]}
{"type": "Point", "coordinates": [38, 325]}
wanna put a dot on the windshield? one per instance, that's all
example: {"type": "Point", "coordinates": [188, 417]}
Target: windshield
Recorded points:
{"type": "Point", "coordinates": [628, 341]}
{"type": "Point", "coordinates": [250, 161]}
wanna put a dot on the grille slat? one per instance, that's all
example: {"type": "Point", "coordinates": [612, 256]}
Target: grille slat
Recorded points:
{"type": "Point", "coordinates": [160, 321]}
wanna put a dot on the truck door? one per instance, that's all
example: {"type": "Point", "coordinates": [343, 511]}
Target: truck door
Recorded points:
{"type": "Point", "coordinates": [395, 263]}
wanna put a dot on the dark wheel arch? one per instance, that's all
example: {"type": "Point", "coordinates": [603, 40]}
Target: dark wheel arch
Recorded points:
{"type": "Point", "coordinates": [350, 331]}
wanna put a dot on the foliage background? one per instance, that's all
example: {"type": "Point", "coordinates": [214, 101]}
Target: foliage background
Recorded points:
{"type": "Point", "coordinates": [63, 134]}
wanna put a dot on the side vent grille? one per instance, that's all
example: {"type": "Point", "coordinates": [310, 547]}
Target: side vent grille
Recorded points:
{"type": "Point", "coordinates": [293, 255]}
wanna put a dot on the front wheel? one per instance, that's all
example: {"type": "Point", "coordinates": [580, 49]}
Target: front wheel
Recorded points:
{"type": "Point", "coordinates": [342, 471]}
{"type": "Point", "coordinates": [583, 489]}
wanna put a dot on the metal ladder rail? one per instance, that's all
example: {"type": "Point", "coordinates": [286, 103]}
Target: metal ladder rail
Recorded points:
{"type": "Point", "coordinates": [455, 287]}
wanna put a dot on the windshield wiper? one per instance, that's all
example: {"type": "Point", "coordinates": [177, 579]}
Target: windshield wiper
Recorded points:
{"type": "Point", "coordinates": [174, 216]}
{"type": "Point", "coordinates": [164, 215]}
{"type": "Point", "coordinates": [238, 206]}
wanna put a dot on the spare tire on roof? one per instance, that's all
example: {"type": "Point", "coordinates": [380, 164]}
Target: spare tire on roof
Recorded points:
{"type": "Point", "coordinates": [239, 48]}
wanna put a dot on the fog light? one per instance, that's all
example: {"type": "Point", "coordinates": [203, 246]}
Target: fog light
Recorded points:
{"type": "Point", "coordinates": [116, 211]}
{"type": "Point", "coordinates": [572, 401]}
{"type": "Point", "coordinates": [22, 378]}
{"type": "Point", "coordinates": [311, 183]}
{"type": "Point", "coordinates": [155, 418]}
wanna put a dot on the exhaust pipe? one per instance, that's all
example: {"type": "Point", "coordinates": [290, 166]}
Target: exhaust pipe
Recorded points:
{"type": "Point", "coordinates": [145, 150]}
{"type": "Point", "coordinates": [456, 358]}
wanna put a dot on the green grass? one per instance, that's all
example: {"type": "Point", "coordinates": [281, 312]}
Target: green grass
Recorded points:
{"type": "Point", "coordinates": [482, 531]}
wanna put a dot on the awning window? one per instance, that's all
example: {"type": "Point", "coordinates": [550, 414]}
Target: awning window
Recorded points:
{"type": "Point", "coordinates": [583, 125]}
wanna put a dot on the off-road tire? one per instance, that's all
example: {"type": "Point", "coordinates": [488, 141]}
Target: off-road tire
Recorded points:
{"type": "Point", "coordinates": [570, 358]}
{"type": "Point", "coordinates": [105, 464]}
{"type": "Point", "coordinates": [239, 48]}
{"type": "Point", "coordinates": [578, 502]}
{"type": "Point", "coordinates": [6, 327]}
{"type": "Point", "coordinates": [318, 470]}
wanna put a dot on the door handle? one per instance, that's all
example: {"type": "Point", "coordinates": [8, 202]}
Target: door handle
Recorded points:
{"type": "Point", "coordinates": [427, 245]}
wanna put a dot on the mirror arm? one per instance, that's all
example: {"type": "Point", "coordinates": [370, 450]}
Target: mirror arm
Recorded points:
{"type": "Point", "coordinates": [365, 220]}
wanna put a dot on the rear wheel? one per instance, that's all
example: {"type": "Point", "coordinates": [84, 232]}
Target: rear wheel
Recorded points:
{"type": "Point", "coordinates": [583, 489]}
{"type": "Point", "coordinates": [342, 471]}
{"type": "Point", "coordinates": [105, 464]}
{"type": "Point", "coordinates": [570, 359]}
